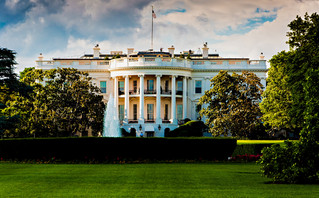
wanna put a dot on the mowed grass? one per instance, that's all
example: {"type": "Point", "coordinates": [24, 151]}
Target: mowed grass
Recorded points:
{"type": "Point", "coordinates": [143, 180]}
{"type": "Point", "coordinates": [261, 141]}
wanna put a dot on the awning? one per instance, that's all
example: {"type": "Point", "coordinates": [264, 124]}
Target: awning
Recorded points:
{"type": "Point", "coordinates": [149, 128]}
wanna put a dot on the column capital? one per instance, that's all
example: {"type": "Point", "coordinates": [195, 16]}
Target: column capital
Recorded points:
{"type": "Point", "coordinates": [126, 76]}
{"type": "Point", "coordinates": [141, 75]}
{"type": "Point", "coordinates": [158, 75]}
{"type": "Point", "coordinates": [175, 76]}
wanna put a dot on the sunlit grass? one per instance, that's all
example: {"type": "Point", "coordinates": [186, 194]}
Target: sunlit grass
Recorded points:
{"type": "Point", "coordinates": [143, 180]}
{"type": "Point", "coordinates": [260, 141]}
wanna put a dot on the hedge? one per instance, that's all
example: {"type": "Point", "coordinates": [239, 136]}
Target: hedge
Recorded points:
{"type": "Point", "coordinates": [110, 149]}
{"type": "Point", "coordinates": [251, 149]}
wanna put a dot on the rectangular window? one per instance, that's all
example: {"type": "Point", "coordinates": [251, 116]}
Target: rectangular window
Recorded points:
{"type": "Point", "coordinates": [121, 112]}
{"type": "Point", "coordinates": [150, 85]}
{"type": "Point", "coordinates": [134, 111]}
{"type": "Point", "coordinates": [103, 86]}
{"type": "Point", "coordinates": [166, 112]}
{"type": "Point", "coordinates": [179, 112]}
{"type": "Point", "coordinates": [135, 86]}
{"type": "Point", "coordinates": [198, 86]}
{"type": "Point", "coordinates": [121, 87]}
{"type": "Point", "coordinates": [179, 85]}
{"type": "Point", "coordinates": [150, 111]}
{"type": "Point", "coordinates": [166, 85]}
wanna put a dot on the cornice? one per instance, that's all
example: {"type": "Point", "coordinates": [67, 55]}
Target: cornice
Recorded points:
{"type": "Point", "coordinates": [151, 67]}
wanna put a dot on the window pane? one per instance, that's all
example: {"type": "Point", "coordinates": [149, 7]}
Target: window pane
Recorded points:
{"type": "Point", "coordinates": [150, 111]}
{"type": "Point", "coordinates": [103, 86]}
{"type": "Point", "coordinates": [179, 85]}
{"type": "Point", "coordinates": [121, 112]}
{"type": "Point", "coordinates": [198, 86]}
{"type": "Point", "coordinates": [179, 112]}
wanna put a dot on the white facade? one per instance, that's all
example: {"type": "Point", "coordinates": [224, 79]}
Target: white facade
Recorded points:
{"type": "Point", "coordinates": [155, 90]}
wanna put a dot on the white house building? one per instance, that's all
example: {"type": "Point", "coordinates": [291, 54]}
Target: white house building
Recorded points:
{"type": "Point", "coordinates": [155, 91]}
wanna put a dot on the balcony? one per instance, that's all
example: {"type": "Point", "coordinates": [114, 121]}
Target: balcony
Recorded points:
{"type": "Point", "coordinates": [179, 92]}
{"type": "Point", "coordinates": [166, 92]}
{"type": "Point", "coordinates": [132, 121]}
{"type": "Point", "coordinates": [134, 92]}
{"type": "Point", "coordinates": [147, 91]}
{"type": "Point", "coordinates": [149, 121]}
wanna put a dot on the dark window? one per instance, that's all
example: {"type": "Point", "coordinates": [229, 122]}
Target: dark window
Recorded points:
{"type": "Point", "coordinates": [198, 86]}
{"type": "Point", "coordinates": [134, 111]}
{"type": "Point", "coordinates": [166, 112]}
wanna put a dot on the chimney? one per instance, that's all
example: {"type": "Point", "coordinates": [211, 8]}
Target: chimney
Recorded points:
{"type": "Point", "coordinates": [171, 50]}
{"type": "Point", "coordinates": [261, 57]}
{"type": "Point", "coordinates": [205, 50]}
{"type": "Point", "coordinates": [40, 57]}
{"type": "Point", "coordinates": [96, 51]}
{"type": "Point", "coordinates": [130, 51]}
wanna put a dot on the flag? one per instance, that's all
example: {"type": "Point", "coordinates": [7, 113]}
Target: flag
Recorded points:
{"type": "Point", "coordinates": [153, 14]}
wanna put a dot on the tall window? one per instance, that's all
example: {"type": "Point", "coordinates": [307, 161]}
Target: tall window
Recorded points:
{"type": "Point", "coordinates": [179, 112]}
{"type": "Point", "coordinates": [166, 112]}
{"type": "Point", "coordinates": [121, 87]}
{"type": "Point", "coordinates": [179, 87]}
{"type": "Point", "coordinates": [121, 112]}
{"type": "Point", "coordinates": [150, 84]}
{"type": "Point", "coordinates": [198, 86]}
{"type": "Point", "coordinates": [103, 86]}
{"type": "Point", "coordinates": [135, 86]}
{"type": "Point", "coordinates": [166, 85]}
{"type": "Point", "coordinates": [150, 111]}
{"type": "Point", "coordinates": [134, 111]}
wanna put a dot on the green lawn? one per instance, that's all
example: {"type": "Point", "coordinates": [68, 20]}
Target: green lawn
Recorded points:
{"type": "Point", "coordinates": [260, 142]}
{"type": "Point", "coordinates": [143, 180]}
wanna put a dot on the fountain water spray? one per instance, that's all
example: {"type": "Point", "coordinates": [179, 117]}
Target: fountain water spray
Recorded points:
{"type": "Point", "coordinates": [111, 125]}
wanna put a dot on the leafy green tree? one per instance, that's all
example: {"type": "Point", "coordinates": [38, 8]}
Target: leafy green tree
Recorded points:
{"type": "Point", "coordinates": [231, 105]}
{"type": "Point", "coordinates": [302, 74]}
{"type": "Point", "coordinates": [64, 102]}
{"type": "Point", "coordinates": [9, 88]}
{"type": "Point", "coordinates": [277, 101]}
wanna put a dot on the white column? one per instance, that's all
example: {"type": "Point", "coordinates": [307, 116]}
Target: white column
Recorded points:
{"type": "Point", "coordinates": [116, 93]}
{"type": "Point", "coordinates": [141, 118]}
{"type": "Point", "coordinates": [174, 120]}
{"type": "Point", "coordinates": [184, 97]}
{"type": "Point", "coordinates": [158, 99]}
{"type": "Point", "coordinates": [126, 105]}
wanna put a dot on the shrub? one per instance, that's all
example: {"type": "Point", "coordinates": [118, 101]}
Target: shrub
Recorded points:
{"type": "Point", "coordinates": [294, 162]}
{"type": "Point", "coordinates": [192, 128]}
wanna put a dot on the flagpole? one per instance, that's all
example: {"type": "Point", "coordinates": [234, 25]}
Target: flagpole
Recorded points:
{"type": "Point", "coordinates": [152, 31]}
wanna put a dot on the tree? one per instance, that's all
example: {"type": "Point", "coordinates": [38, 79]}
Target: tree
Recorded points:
{"type": "Point", "coordinates": [302, 74]}
{"type": "Point", "coordinates": [231, 105]}
{"type": "Point", "coordinates": [277, 101]}
{"type": "Point", "coordinates": [64, 102]}
{"type": "Point", "coordinates": [9, 88]}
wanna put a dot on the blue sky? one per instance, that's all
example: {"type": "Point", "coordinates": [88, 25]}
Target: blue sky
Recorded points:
{"type": "Point", "coordinates": [70, 28]}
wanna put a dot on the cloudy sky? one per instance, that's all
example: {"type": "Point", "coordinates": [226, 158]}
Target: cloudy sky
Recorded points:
{"type": "Point", "coordinates": [70, 28]}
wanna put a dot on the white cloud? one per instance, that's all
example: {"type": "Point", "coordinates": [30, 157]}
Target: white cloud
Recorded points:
{"type": "Point", "coordinates": [74, 27]}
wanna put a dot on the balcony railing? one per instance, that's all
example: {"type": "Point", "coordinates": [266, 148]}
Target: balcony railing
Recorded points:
{"type": "Point", "coordinates": [134, 92]}
{"type": "Point", "coordinates": [147, 91]}
{"type": "Point", "coordinates": [166, 121]}
{"type": "Point", "coordinates": [132, 121]}
{"type": "Point", "coordinates": [179, 92]}
{"type": "Point", "coordinates": [150, 121]}
{"type": "Point", "coordinates": [166, 92]}
{"type": "Point", "coordinates": [121, 91]}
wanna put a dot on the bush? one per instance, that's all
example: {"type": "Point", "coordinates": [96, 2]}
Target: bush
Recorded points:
{"type": "Point", "coordinates": [192, 128]}
{"type": "Point", "coordinates": [294, 162]}
{"type": "Point", "coordinates": [251, 149]}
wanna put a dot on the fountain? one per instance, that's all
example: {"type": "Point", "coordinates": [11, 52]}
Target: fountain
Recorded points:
{"type": "Point", "coordinates": [111, 125]}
